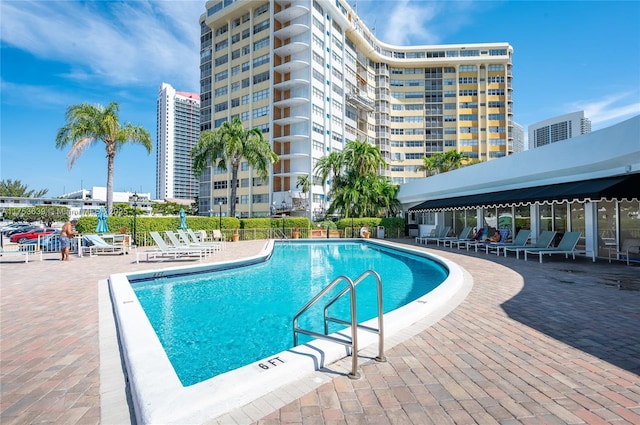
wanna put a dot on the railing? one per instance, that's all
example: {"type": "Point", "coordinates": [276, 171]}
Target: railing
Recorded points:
{"type": "Point", "coordinates": [353, 343]}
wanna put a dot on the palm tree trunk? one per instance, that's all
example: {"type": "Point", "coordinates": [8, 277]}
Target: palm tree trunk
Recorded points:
{"type": "Point", "coordinates": [234, 184]}
{"type": "Point", "coordinates": [110, 158]}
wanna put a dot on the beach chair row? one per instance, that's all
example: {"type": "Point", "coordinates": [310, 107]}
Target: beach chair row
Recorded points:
{"type": "Point", "coordinates": [542, 246]}
{"type": "Point", "coordinates": [180, 244]}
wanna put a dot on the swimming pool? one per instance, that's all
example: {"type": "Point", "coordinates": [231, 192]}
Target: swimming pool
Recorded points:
{"type": "Point", "coordinates": [211, 323]}
{"type": "Point", "coordinates": [159, 396]}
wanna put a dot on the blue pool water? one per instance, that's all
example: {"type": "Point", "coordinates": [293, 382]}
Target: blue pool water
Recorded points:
{"type": "Point", "coordinates": [211, 323]}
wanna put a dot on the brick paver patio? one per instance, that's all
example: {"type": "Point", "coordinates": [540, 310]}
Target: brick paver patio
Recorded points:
{"type": "Point", "coordinates": [555, 343]}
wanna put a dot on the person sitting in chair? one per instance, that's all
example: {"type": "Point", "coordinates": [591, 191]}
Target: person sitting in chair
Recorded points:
{"type": "Point", "coordinates": [495, 237]}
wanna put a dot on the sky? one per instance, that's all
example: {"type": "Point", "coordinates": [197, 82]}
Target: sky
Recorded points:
{"type": "Point", "coordinates": [568, 56]}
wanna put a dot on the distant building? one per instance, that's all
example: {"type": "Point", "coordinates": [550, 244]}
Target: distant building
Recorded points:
{"type": "Point", "coordinates": [98, 193]}
{"type": "Point", "coordinates": [178, 132]}
{"type": "Point", "coordinates": [81, 202]}
{"type": "Point", "coordinates": [559, 128]}
{"type": "Point", "coordinates": [518, 138]}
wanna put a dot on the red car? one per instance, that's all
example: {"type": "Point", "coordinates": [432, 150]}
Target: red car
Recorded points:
{"type": "Point", "coordinates": [33, 234]}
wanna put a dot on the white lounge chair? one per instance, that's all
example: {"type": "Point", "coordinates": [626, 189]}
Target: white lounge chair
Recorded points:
{"type": "Point", "coordinates": [94, 244]}
{"type": "Point", "coordinates": [163, 249]}
{"type": "Point", "coordinates": [566, 246]}
{"type": "Point", "coordinates": [177, 243]}
{"type": "Point", "coordinates": [191, 241]}
{"type": "Point", "coordinates": [20, 252]}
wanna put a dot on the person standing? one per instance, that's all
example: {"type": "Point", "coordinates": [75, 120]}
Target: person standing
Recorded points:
{"type": "Point", "coordinates": [66, 234]}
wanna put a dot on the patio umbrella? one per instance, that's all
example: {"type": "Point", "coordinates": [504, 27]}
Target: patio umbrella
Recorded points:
{"type": "Point", "coordinates": [183, 219]}
{"type": "Point", "coordinates": [102, 221]}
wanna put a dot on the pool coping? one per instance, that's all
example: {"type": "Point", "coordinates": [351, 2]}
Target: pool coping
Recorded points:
{"type": "Point", "coordinates": [159, 397]}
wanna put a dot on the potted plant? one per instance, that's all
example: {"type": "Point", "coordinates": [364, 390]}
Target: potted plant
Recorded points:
{"type": "Point", "coordinates": [235, 237]}
{"type": "Point", "coordinates": [296, 233]}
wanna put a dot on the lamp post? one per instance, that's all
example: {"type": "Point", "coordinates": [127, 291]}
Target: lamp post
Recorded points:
{"type": "Point", "coordinates": [284, 205]}
{"type": "Point", "coordinates": [134, 198]}
{"type": "Point", "coordinates": [352, 219]}
{"type": "Point", "coordinates": [220, 215]}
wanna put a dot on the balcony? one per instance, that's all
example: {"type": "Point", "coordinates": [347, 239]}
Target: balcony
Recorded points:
{"type": "Point", "coordinates": [291, 138]}
{"type": "Point", "coordinates": [290, 13]}
{"type": "Point", "coordinates": [291, 102]}
{"type": "Point", "coordinates": [291, 120]}
{"type": "Point", "coordinates": [291, 31]}
{"type": "Point", "coordinates": [291, 66]}
{"type": "Point", "coordinates": [361, 101]}
{"type": "Point", "coordinates": [290, 84]}
{"type": "Point", "coordinates": [291, 48]}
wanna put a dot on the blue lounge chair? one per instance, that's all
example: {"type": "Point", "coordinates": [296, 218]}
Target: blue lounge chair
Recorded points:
{"type": "Point", "coordinates": [520, 240]}
{"type": "Point", "coordinates": [566, 246]}
{"type": "Point", "coordinates": [464, 235]}
{"type": "Point", "coordinates": [504, 235]}
{"type": "Point", "coordinates": [478, 236]}
{"type": "Point", "coordinates": [441, 232]}
{"type": "Point", "coordinates": [544, 241]}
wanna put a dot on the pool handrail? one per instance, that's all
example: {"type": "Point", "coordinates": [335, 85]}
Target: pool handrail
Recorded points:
{"type": "Point", "coordinates": [353, 323]}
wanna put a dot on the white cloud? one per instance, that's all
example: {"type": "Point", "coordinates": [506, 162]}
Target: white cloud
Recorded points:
{"type": "Point", "coordinates": [416, 22]}
{"type": "Point", "coordinates": [609, 110]}
{"type": "Point", "coordinates": [118, 43]}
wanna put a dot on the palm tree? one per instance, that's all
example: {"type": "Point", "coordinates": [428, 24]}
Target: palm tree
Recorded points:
{"type": "Point", "coordinates": [363, 158]}
{"type": "Point", "coordinates": [226, 146]}
{"type": "Point", "coordinates": [356, 180]}
{"type": "Point", "coordinates": [330, 165]}
{"type": "Point", "coordinates": [87, 124]}
{"type": "Point", "coordinates": [452, 160]}
{"type": "Point", "coordinates": [17, 188]}
{"type": "Point", "coordinates": [442, 162]}
{"type": "Point", "coordinates": [429, 165]}
{"type": "Point", "coordinates": [305, 185]}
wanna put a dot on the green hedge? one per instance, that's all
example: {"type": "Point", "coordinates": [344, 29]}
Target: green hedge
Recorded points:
{"type": "Point", "coordinates": [144, 224]}
{"type": "Point", "coordinates": [250, 228]}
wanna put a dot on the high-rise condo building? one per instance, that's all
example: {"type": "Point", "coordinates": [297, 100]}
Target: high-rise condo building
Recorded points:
{"type": "Point", "coordinates": [313, 77]}
{"type": "Point", "coordinates": [518, 138]}
{"type": "Point", "coordinates": [178, 132]}
{"type": "Point", "coordinates": [558, 128]}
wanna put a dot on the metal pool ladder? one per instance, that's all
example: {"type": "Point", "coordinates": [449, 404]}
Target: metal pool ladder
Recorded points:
{"type": "Point", "coordinates": [353, 343]}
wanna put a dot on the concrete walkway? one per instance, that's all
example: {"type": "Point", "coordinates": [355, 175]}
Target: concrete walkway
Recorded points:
{"type": "Point", "coordinates": [556, 343]}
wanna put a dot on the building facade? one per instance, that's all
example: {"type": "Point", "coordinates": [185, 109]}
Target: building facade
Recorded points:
{"type": "Point", "coordinates": [574, 185]}
{"type": "Point", "coordinates": [558, 128]}
{"type": "Point", "coordinates": [313, 77]}
{"type": "Point", "coordinates": [178, 132]}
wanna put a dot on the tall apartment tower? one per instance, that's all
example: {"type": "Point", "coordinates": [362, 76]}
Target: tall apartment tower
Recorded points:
{"type": "Point", "coordinates": [313, 77]}
{"type": "Point", "coordinates": [178, 132]}
{"type": "Point", "coordinates": [558, 128]}
{"type": "Point", "coordinates": [518, 138]}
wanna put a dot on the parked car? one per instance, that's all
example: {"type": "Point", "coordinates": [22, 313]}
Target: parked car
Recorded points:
{"type": "Point", "coordinates": [13, 226]}
{"type": "Point", "coordinates": [49, 243]}
{"type": "Point", "coordinates": [22, 237]}
{"type": "Point", "coordinates": [23, 228]}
